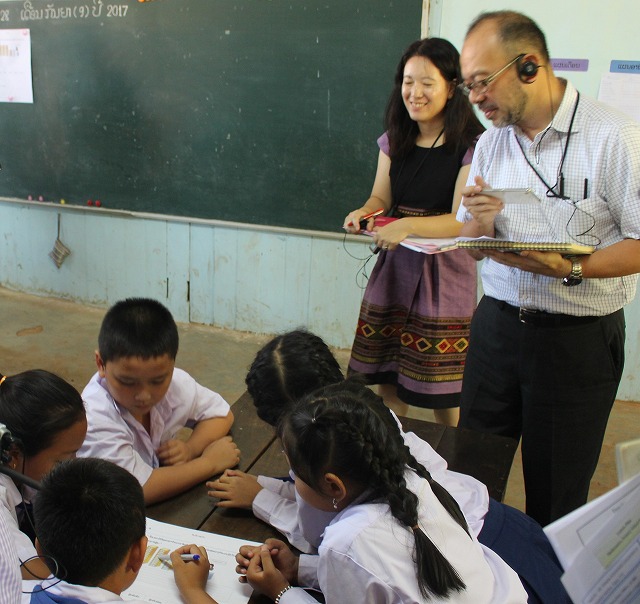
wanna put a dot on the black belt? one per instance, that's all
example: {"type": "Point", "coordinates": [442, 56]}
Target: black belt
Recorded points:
{"type": "Point", "coordinates": [542, 318]}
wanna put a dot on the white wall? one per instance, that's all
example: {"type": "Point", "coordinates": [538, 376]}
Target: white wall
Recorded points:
{"type": "Point", "coordinates": [229, 275]}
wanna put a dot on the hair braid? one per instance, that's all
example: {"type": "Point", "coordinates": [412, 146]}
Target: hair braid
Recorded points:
{"type": "Point", "coordinates": [341, 429]}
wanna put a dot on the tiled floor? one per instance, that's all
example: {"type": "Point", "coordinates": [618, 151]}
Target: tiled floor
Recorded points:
{"type": "Point", "coordinates": [62, 336]}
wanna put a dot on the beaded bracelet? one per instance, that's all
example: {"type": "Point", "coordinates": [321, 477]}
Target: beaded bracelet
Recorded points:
{"type": "Point", "coordinates": [287, 588]}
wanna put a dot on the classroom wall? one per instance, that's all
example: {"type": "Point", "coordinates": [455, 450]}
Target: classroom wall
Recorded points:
{"type": "Point", "coordinates": [235, 276]}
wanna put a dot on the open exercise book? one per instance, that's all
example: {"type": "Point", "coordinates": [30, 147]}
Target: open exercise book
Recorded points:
{"type": "Point", "coordinates": [437, 245]}
{"type": "Point", "coordinates": [155, 582]}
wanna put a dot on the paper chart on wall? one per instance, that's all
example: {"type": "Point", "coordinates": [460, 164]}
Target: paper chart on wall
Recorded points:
{"type": "Point", "coordinates": [155, 582]}
{"type": "Point", "coordinates": [16, 85]}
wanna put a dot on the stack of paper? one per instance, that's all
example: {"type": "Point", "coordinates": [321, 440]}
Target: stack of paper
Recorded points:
{"type": "Point", "coordinates": [598, 546]}
{"type": "Point", "coordinates": [429, 246]}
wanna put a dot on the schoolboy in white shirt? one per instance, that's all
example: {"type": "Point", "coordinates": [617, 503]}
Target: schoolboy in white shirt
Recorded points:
{"type": "Point", "coordinates": [138, 400]}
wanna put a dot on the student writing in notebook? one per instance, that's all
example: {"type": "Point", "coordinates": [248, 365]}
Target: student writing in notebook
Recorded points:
{"type": "Point", "coordinates": [547, 340]}
{"type": "Point", "coordinates": [90, 520]}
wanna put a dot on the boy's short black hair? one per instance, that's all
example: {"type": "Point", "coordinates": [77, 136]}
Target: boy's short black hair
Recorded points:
{"type": "Point", "coordinates": [88, 514]}
{"type": "Point", "coordinates": [137, 327]}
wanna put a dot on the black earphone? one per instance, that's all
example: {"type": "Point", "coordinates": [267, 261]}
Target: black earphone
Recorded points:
{"type": "Point", "coordinates": [527, 70]}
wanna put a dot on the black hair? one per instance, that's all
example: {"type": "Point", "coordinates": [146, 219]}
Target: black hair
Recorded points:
{"type": "Point", "coordinates": [346, 429]}
{"type": "Point", "coordinates": [88, 514]}
{"type": "Point", "coordinates": [137, 327]}
{"type": "Point", "coordinates": [461, 126]}
{"type": "Point", "coordinates": [36, 406]}
{"type": "Point", "coordinates": [287, 368]}
{"type": "Point", "coordinates": [516, 31]}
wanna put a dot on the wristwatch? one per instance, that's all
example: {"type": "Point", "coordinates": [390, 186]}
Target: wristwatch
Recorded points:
{"type": "Point", "coordinates": [575, 276]}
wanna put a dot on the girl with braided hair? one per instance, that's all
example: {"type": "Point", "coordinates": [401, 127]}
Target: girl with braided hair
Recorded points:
{"type": "Point", "coordinates": [391, 518]}
{"type": "Point", "coordinates": [298, 362]}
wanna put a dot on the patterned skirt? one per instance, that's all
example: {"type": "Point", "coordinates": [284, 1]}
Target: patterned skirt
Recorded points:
{"type": "Point", "coordinates": [413, 329]}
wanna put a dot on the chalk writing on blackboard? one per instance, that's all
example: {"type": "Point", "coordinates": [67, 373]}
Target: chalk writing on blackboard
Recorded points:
{"type": "Point", "coordinates": [95, 9]}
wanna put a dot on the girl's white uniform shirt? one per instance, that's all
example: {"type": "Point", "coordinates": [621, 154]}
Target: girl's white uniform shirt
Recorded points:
{"type": "Point", "coordinates": [366, 555]}
{"type": "Point", "coordinates": [9, 498]}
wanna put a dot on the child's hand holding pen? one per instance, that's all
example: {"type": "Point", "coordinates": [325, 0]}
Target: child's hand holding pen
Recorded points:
{"type": "Point", "coordinates": [191, 568]}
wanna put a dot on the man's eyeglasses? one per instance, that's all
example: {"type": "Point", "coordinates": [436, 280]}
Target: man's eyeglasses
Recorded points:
{"type": "Point", "coordinates": [480, 87]}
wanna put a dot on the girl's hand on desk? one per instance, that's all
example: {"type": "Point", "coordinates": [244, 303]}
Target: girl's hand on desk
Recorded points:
{"type": "Point", "coordinates": [174, 452]}
{"type": "Point", "coordinates": [235, 489]}
{"type": "Point", "coordinates": [263, 575]}
{"type": "Point", "coordinates": [284, 560]}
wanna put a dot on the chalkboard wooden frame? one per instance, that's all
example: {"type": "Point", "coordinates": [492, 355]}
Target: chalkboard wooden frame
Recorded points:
{"type": "Point", "coordinates": [255, 111]}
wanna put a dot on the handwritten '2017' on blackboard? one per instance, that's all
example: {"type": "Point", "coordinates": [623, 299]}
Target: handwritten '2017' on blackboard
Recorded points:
{"type": "Point", "coordinates": [253, 111]}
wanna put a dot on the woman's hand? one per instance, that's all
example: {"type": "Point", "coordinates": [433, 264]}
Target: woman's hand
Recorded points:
{"type": "Point", "coordinates": [352, 221]}
{"type": "Point", "coordinates": [388, 237]}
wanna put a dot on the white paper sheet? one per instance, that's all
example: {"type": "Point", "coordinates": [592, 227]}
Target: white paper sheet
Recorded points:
{"type": "Point", "coordinates": [16, 85]}
{"type": "Point", "coordinates": [155, 582]}
{"type": "Point", "coordinates": [598, 546]}
{"type": "Point", "coordinates": [622, 91]}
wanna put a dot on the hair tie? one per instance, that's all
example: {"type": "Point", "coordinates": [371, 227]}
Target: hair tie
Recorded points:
{"type": "Point", "coordinates": [415, 528]}
{"type": "Point", "coordinates": [2, 379]}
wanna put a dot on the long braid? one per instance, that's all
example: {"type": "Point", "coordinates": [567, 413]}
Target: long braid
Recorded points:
{"type": "Point", "coordinates": [336, 429]}
{"type": "Point", "coordinates": [436, 575]}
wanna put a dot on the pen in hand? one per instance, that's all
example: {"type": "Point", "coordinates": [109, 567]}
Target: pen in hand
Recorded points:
{"type": "Point", "coordinates": [185, 557]}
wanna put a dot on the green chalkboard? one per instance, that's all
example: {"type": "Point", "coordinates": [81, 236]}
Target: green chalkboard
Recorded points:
{"type": "Point", "coordinates": [258, 111]}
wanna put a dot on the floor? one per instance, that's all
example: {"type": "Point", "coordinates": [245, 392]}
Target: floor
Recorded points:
{"type": "Point", "coordinates": [61, 336]}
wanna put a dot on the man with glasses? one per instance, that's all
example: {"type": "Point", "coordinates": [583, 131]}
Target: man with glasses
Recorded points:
{"type": "Point", "coordinates": [547, 341]}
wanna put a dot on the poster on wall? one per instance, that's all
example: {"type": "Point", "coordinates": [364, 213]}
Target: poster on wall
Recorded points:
{"type": "Point", "coordinates": [16, 84]}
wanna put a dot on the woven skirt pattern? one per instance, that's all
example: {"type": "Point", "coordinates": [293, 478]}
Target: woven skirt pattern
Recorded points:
{"type": "Point", "coordinates": [413, 328]}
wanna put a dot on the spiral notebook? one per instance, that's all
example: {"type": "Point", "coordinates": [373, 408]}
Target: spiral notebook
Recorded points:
{"type": "Point", "coordinates": [488, 243]}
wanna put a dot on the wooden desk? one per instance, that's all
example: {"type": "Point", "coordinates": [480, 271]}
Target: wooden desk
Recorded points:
{"type": "Point", "coordinates": [484, 456]}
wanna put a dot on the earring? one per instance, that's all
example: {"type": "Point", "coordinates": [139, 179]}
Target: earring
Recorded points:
{"type": "Point", "coordinates": [335, 504]}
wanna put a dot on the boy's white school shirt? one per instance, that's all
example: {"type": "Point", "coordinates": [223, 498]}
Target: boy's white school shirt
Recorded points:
{"type": "Point", "coordinates": [114, 434]}
{"type": "Point", "coordinates": [9, 498]}
{"type": "Point", "coordinates": [90, 595]}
